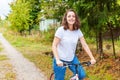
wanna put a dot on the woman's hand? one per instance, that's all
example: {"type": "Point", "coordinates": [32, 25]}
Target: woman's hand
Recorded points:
{"type": "Point", "coordinates": [59, 63]}
{"type": "Point", "coordinates": [93, 61]}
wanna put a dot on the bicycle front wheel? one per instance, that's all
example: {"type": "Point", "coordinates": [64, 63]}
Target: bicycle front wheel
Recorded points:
{"type": "Point", "coordinates": [52, 76]}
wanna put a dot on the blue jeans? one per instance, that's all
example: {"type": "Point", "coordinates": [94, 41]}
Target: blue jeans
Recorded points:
{"type": "Point", "coordinates": [60, 71]}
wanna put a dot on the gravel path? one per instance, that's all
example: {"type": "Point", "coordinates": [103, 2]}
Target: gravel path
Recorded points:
{"type": "Point", "coordinates": [25, 70]}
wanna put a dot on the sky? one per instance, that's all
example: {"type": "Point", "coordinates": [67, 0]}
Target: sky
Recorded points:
{"type": "Point", "coordinates": [4, 8]}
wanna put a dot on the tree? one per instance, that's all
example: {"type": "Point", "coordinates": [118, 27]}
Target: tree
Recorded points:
{"type": "Point", "coordinates": [19, 16]}
{"type": "Point", "coordinates": [54, 8]}
{"type": "Point", "coordinates": [35, 8]}
{"type": "Point", "coordinates": [24, 15]}
{"type": "Point", "coordinates": [95, 15]}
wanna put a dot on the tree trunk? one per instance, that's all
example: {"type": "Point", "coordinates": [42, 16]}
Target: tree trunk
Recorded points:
{"type": "Point", "coordinates": [97, 42]}
{"type": "Point", "coordinates": [29, 30]}
{"type": "Point", "coordinates": [100, 44]}
{"type": "Point", "coordinates": [110, 27]}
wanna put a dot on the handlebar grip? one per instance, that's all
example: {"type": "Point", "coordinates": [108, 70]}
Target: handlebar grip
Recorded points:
{"type": "Point", "coordinates": [65, 64]}
{"type": "Point", "coordinates": [88, 63]}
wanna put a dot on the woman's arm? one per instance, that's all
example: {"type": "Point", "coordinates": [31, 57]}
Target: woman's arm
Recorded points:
{"type": "Point", "coordinates": [55, 52]}
{"type": "Point", "coordinates": [86, 48]}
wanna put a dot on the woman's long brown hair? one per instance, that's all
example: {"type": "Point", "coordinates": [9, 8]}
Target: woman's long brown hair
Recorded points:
{"type": "Point", "coordinates": [76, 25]}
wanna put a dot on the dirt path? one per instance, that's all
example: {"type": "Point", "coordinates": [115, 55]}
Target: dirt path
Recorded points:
{"type": "Point", "coordinates": [25, 70]}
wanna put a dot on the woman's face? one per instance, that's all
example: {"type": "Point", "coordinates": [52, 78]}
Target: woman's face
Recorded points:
{"type": "Point", "coordinates": [71, 18]}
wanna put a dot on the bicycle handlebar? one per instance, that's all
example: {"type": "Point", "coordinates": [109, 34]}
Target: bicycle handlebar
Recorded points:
{"type": "Point", "coordinates": [88, 63]}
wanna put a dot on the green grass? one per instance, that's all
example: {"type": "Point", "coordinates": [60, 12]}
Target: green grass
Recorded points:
{"type": "Point", "coordinates": [1, 47]}
{"type": "Point", "coordinates": [10, 76]}
{"type": "Point", "coordinates": [3, 57]}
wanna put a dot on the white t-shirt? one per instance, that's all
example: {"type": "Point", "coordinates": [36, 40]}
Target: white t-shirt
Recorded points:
{"type": "Point", "coordinates": [68, 41]}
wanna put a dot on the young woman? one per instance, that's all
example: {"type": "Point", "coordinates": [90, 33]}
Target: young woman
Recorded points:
{"type": "Point", "coordinates": [64, 46]}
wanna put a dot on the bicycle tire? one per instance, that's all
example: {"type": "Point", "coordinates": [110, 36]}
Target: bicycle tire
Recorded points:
{"type": "Point", "coordinates": [52, 76]}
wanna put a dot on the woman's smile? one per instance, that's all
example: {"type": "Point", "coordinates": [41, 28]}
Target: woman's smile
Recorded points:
{"type": "Point", "coordinates": [71, 18]}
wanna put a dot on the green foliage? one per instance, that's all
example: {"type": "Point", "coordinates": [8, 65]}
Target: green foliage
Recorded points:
{"type": "Point", "coordinates": [118, 2]}
{"type": "Point", "coordinates": [96, 14]}
{"type": "Point", "coordinates": [90, 40]}
{"type": "Point", "coordinates": [35, 8]}
{"type": "Point", "coordinates": [47, 8]}
{"type": "Point", "coordinates": [53, 9]}
{"type": "Point", "coordinates": [24, 15]}
{"type": "Point", "coordinates": [19, 16]}
{"type": "Point", "coordinates": [48, 35]}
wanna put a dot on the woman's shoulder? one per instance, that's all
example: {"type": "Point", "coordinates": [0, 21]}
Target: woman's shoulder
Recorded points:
{"type": "Point", "coordinates": [79, 30]}
{"type": "Point", "coordinates": [60, 28]}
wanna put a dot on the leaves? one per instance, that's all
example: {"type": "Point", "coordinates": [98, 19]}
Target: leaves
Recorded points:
{"type": "Point", "coordinates": [19, 16]}
{"type": "Point", "coordinates": [24, 15]}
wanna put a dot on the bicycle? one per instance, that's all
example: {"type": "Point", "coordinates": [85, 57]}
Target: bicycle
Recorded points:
{"type": "Point", "coordinates": [75, 77]}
